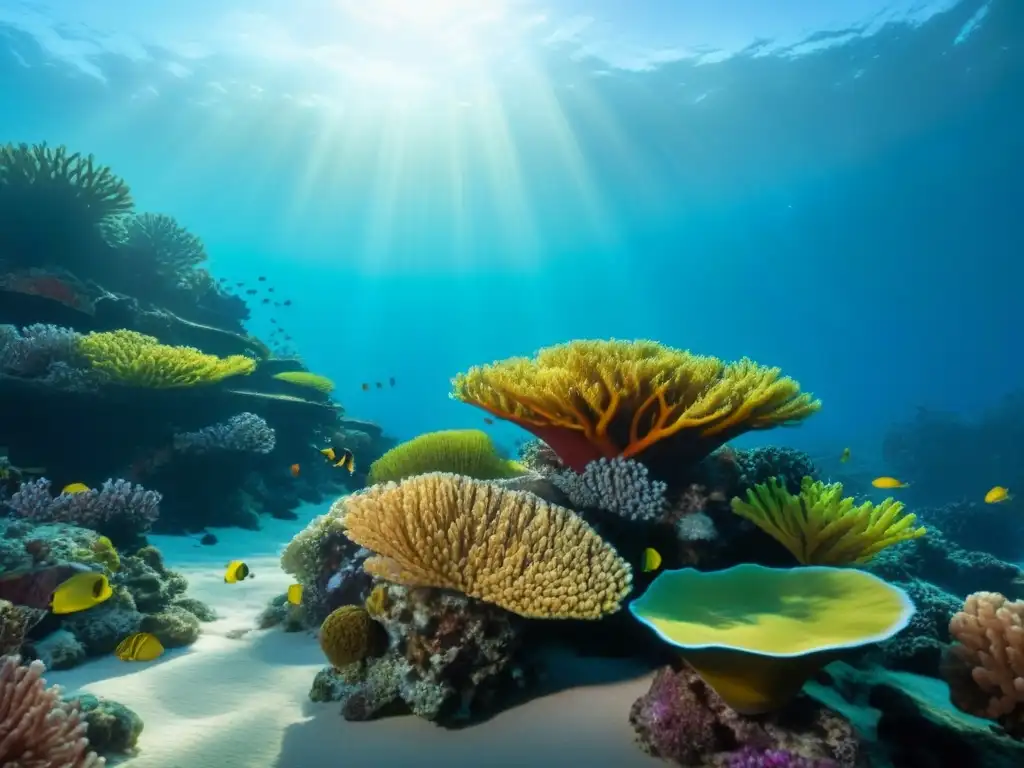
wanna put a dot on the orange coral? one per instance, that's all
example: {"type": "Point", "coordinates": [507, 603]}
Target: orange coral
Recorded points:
{"type": "Point", "coordinates": [664, 406]}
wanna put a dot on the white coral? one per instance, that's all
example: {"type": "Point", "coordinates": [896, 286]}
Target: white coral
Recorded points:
{"type": "Point", "coordinates": [618, 485]}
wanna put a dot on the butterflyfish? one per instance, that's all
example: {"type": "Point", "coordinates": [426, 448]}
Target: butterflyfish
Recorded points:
{"type": "Point", "coordinates": [142, 646]}
{"type": "Point", "coordinates": [845, 456]}
{"type": "Point", "coordinates": [75, 488]}
{"type": "Point", "coordinates": [237, 571]}
{"type": "Point", "coordinates": [80, 593]}
{"type": "Point", "coordinates": [998, 494]}
{"type": "Point", "coordinates": [295, 594]}
{"type": "Point", "coordinates": [652, 560]}
{"type": "Point", "coordinates": [343, 458]}
{"type": "Point", "coordinates": [888, 482]}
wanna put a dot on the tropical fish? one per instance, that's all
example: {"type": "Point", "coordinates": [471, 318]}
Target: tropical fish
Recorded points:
{"type": "Point", "coordinates": [888, 482]}
{"type": "Point", "coordinates": [652, 560]}
{"type": "Point", "coordinates": [270, 290]}
{"type": "Point", "coordinates": [391, 381]}
{"type": "Point", "coordinates": [34, 587]}
{"type": "Point", "coordinates": [262, 279]}
{"type": "Point", "coordinates": [379, 385]}
{"type": "Point", "coordinates": [343, 458]}
{"type": "Point", "coordinates": [266, 301]}
{"type": "Point", "coordinates": [80, 593]}
{"type": "Point", "coordinates": [237, 571]}
{"type": "Point", "coordinates": [998, 494]}
{"type": "Point", "coordinates": [295, 469]}
{"type": "Point", "coordinates": [142, 646]}
{"type": "Point", "coordinates": [295, 594]}
{"type": "Point", "coordinates": [366, 387]}
{"type": "Point", "coordinates": [845, 457]}
{"type": "Point", "coordinates": [75, 488]}
{"type": "Point", "coordinates": [287, 302]}
{"type": "Point", "coordinates": [488, 420]}
{"type": "Point", "coordinates": [251, 292]}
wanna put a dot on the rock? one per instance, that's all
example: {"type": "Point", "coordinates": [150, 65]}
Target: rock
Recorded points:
{"type": "Point", "coordinates": [60, 650]}
{"type": "Point", "coordinates": [197, 608]}
{"type": "Point", "coordinates": [100, 629]}
{"type": "Point", "coordinates": [174, 627]}
{"type": "Point", "coordinates": [113, 727]}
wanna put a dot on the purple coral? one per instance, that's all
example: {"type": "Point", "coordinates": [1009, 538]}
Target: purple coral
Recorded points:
{"type": "Point", "coordinates": [32, 351]}
{"type": "Point", "coordinates": [245, 432]}
{"type": "Point", "coordinates": [774, 758]}
{"type": "Point", "coordinates": [114, 500]}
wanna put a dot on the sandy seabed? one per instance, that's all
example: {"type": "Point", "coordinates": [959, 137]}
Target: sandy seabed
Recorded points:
{"type": "Point", "coordinates": [233, 701]}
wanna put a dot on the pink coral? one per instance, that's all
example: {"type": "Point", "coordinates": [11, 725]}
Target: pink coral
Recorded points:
{"type": "Point", "coordinates": [37, 730]}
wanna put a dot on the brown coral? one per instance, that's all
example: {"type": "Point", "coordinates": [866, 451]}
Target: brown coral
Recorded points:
{"type": "Point", "coordinates": [985, 669]}
{"type": "Point", "coordinates": [508, 548]}
{"type": "Point", "coordinates": [346, 635]}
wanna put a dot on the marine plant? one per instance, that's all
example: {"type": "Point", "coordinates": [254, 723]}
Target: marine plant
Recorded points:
{"type": "Point", "coordinates": [134, 359]}
{"type": "Point", "coordinates": [346, 636]}
{"type": "Point", "coordinates": [468, 452]}
{"type": "Point", "coordinates": [820, 527]}
{"type": "Point", "coordinates": [755, 634]}
{"type": "Point", "coordinates": [509, 548]}
{"type": "Point", "coordinates": [244, 432]}
{"type": "Point", "coordinates": [666, 407]}
{"type": "Point", "coordinates": [307, 379]}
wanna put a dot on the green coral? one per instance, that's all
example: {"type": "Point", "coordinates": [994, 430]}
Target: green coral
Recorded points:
{"type": "Point", "coordinates": [134, 359]}
{"type": "Point", "coordinates": [307, 379]}
{"type": "Point", "coordinates": [101, 552]}
{"type": "Point", "coordinates": [467, 452]}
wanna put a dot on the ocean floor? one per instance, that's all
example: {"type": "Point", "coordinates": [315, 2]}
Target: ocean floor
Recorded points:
{"type": "Point", "coordinates": [239, 699]}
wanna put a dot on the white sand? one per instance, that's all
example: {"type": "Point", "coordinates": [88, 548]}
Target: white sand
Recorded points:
{"type": "Point", "coordinates": [243, 703]}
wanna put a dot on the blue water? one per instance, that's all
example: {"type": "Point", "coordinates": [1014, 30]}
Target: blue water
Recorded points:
{"type": "Point", "coordinates": [837, 192]}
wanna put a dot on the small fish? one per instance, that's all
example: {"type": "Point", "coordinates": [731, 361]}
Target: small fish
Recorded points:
{"type": "Point", "coordinates": [239, 285]}
{"type": "Point", "coordinates": [142, 646]}
{"type": "Point", "coordinates": [295, 469]}
{"type": "Point", "coordinates": [237, 571]}
{"type": "Point", "coordinates": [652, 560]}
{"type": "Point", "coordinates": [488, 420]}
{"type": "Point", "coordinates": [273, 322]}
{"type": "Point", "coordinates": [888, 482]}
{"type": "Point", "coordinates": [295, 594]}
{"type": "Point", "coordinates": [251, 292]}
{"type": "Point", "coordinates": [998, 494]}
{"type": "Point", "coordinates": [208, 540]}
{"type": "Point", "coordinates": [343, 458]}
{"type": "Point", "coordinates": [72, 488]}
{"type": "Point", "coordinates": [80, 593]}
{"type": "Point", "coordinates": [222, 279]}
{"type": "Point", "coordinates": [287, 302]}
{"type": "Point", "coordinates": [391, 381]}
{"type": "Point", "coordinates": [262, 279]}
{"type": "Point", "coordinates": [379, 385]}
{"type": "Point", "coordinates": [845, 457]}
{"type": "Point", "coordinates": [266, 301]}
{"type": "Point", "coordinates": [366, 387]}
{"type": "Point", "coordinates": [287, 337]}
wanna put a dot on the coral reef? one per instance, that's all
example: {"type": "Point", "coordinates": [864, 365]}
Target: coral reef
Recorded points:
{"type": "Point", "coordinates": [618, 485]}
{"type": "Point", "coordinates": [996, 529]}
{"type": "Point", "coordinates": [346, 636]}
{"type": "Point", "coordinates": [468, 452]}
{"type": "Point", "coordinates": [113, 728]}
{"type": "Point", "coordinates": [245, 432]}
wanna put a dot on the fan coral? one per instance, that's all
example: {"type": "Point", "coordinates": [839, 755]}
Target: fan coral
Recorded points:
{"type": "Point", "coordinates": [346, 635]}
{"type": "Point", "coordinates": [134, 359]}
{"type": "Point", "coordinates": [32, 351]}
{"type": "Point", "coordinates": [820, 527]}
{"type": "Point", "coordinates": [601, 399]}
{"type": "Point", "coordinates": [985, 669]}
{"type": "Point", "coordinates": [467, 452]}
{"type": "Point", "coordinates": [307, 379]}
{"type": "Point", "coordinates": [38, 730]}
{"type": "Point", "coordinates": [504, 547]}
{"type": "Point", "coordinates": [245, 432]}
{"type": "Point", "coordinates": [618, 485]}
{"type": "Point", "coordinates": [116, 499]}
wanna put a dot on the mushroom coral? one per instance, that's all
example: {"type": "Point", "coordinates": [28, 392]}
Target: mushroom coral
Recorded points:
{"type": "Point", "coordinates": [756, 634]}
{"type": "Point", "coordinates": [592, 399]}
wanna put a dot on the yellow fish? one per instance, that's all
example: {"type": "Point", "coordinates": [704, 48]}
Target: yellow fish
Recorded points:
{"type": "Point", "coordinates": [888, 482]}
{"type": "Point", "coordinates": [237, 571]}
{"type": "Point", "coordinates": [997, 495]}
{"type": "Point", "coordinates": [295, 594]}
{"type": "Point", "coordinates": [80, 593]}
{"type": "Point", "coordinates": [652, 560]}
{"type": "Point", "coordinates": [343, 458]}
{"type": "Point", "coordinates": [142, 646]}
{"type": "Point", "coordinates": [845, 457]}
{"type": "Point", "coordinates": [75, 488]}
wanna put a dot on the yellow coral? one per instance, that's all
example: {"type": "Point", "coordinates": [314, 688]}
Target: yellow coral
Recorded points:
{"type": "Point", "coordinates": [102, 552]}
{"type": "Point", "coordinates": [820, 527]}
{"type": "Point", "coordinates": [137, 360]}
{"type": "Point", "coordinates": [307, 379]}
{"type": "Point", "coordinates": [594, 399]}
{"type": "Point", "coordinates": [346, 635]}
{"type": "Point", "coordinates": [377, 601]}
{"type": "Point", "coordinates": [504, 547]}
{"type": "Point", "coordinates": [467, 452]}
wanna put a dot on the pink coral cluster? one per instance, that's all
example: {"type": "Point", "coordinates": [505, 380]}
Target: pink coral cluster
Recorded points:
{"type": "Point", "coordinates": [115, 500]}
{"type": "Point", "coordinates": [38, 730]}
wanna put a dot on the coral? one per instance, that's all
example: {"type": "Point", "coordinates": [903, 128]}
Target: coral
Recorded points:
{"type": "Point", "coordinates": [113, 727]}
{"type": "Point", "coordinates": [116, 500]}
{"type": "Point", "coordinates": [508, 548]}
{"type": "Point", "coordinates": [134, 359]}
{"type": "Point", "coordinates": [307, 379]}
{"type": "Point", "coordinates": [196, 607]}
{"type": "Point", "coordinates": [32, 351]}
{"type": "Point", "coordinates": [601, 399]}
{"type": "Point", "coordinates": [773, 758]}
{"type": "Point", "coordinates": [985, 668]}
{"type": "Point", "coordinates": [755, 634]}
{"type": "Point", "coordinates": [60, 650]}
{"type": "Point", "coordinates": [100, 629]}
{"type": "Point", "coordinates": [919, 647]}
{"type": "Point", "coordinates": [537, 455]}
{"type": "Point", "coordinates": [15, 622]}
{"type": "Point", "coordinates": [172, 250]}
{"type": "Point", "coordinates": [684, 720]}
{"type": "Point", "coordinates": [59, 287]}
{"type": "Point", "coordinates": [695, 526]}
{"type": "Point", "coordinates": [245, 432]}
{"type": "Point", "coordinates": [37, 730]}
{"type": "Point", "coordinates": [820, 527]}
{"type": "Point", "coordinates": [174, 627]}
{"type": "Point", "coordinates": [468, 452]}
{"type": "Point", "coordinates": [303, 556]}
{"type": "Point", "coordinates": [620, 486]}
{"type": "Point", "coordinates": [346, 635]}
{"type": "Point", "coordinates": [997, 529]}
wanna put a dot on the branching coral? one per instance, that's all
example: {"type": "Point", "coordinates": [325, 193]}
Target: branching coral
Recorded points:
{"type": "Point", "coordinates": [172, 249]}
{"type": "Point", "coordinates": [31, 351]}
{"type": "Point", "coordinates": [137, 360]}
{"type": "Point", "coordinates": [620, 486]}
{"type": "Point", "coordinates": [307, 379]}
{"type": "Point", "coordinates": [467, 452]}
{"type": "Point", "coordinates": [820, 527]}
{"type": "Point", "coordinates": [504, 547]}
{"type": "Point", "coordinates": [116, 500]}
{"type": "Point", "coordinates": [302, 557]}
{"type": "Point", "coordinates": [594, 399]}
{"type": "Point", "coordinates": [245, 432]}
{"type": "Point", "coordinates": [37, 729]}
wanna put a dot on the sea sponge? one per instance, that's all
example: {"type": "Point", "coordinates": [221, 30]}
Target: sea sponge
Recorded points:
{"type": "Point", "coordinates": [755, 634]}
{"type": "Point", "coordinates": [134, 359]}
{"type": "Point", "coordinates": [468, 452]}
{"type": "Point", "coordinates": [307, 379]}
{"type": "Point", "coordinates": [820, 527]}
{"type": "Point", "coordinates": [504, 547]}
{"type": "Point", "coordinates": [346, 635]}
{"type": "Point", "coordinates": [601, 399]}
